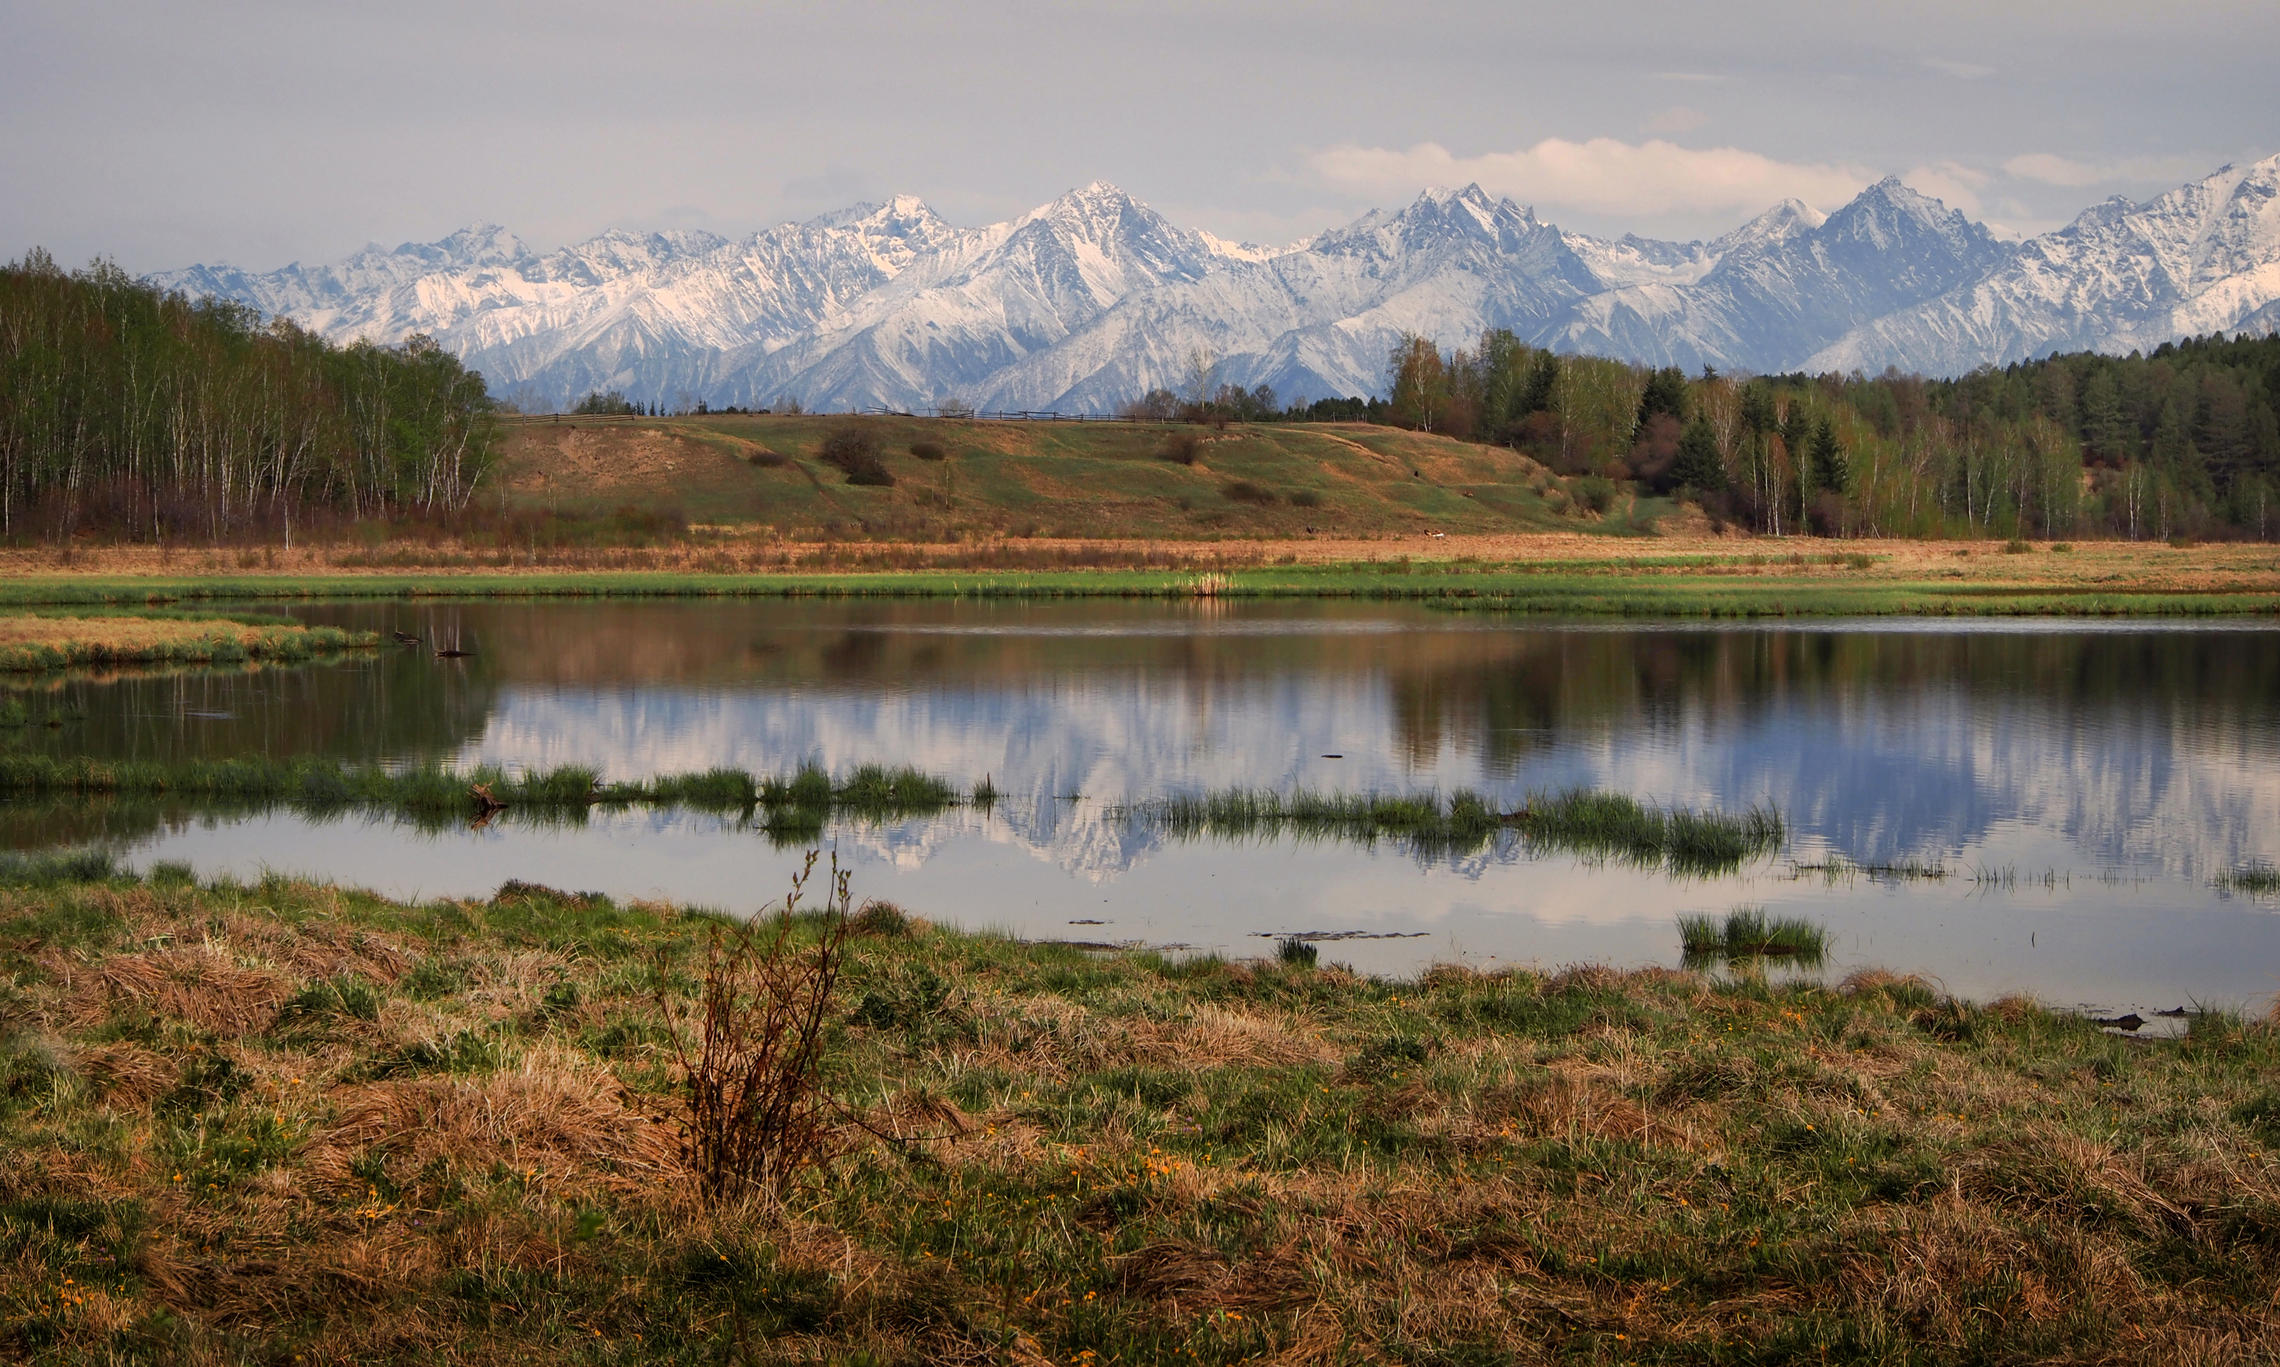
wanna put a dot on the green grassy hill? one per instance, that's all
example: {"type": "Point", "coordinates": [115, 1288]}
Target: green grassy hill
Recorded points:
{"type": "Point", "coordinates": [1054, 479]}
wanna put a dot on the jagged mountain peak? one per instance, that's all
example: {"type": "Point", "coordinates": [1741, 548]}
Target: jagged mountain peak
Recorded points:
{"type": "Point", "coordinates": [1439, 219]}
{"type": "Point", "coordinates": [675, 240]}
{"type": "Point", "coordinates": [475, 244]}
{"type": "Point", "coordinates": [1892, 202]}
{"type": "Point", "coordinates": [1088, 299]}
{"type": "Point", "coordinates": [892, 213]}
{"type": "Point", "coordinates": [1788, 219]}
{"type": "Point", "coordinates": [1470, 201]}
{"type": "Point", "coordinates": [1096, 210]}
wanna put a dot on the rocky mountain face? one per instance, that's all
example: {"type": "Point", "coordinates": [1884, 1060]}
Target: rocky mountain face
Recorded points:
{"type": "Point", "coordinates": [1095, 298]}
{"type": "Point", "coordinates": [2202, 258]}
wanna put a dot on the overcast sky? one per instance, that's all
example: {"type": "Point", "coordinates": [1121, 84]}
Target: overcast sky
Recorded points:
{"type": "Point", "coordinates": [255, 133]}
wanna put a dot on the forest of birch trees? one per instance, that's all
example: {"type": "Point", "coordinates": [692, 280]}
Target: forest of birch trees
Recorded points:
{"type": "Point", "coordinates": [127, 412]}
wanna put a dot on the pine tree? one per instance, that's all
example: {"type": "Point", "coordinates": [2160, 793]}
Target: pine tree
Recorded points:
{"type": "Point", "coordinates": [1699, 466]}
{"type": "Point", "coordinates": [2102, 429]}
{"type": "Point", "coordinates": [1666, 393]}
{"type": "Point", "coordinates": [1831, 470]}
{"type": "Point", "coordinates": [1758, 413]}
{"type": "Point", "coordinates": [1543, 383]}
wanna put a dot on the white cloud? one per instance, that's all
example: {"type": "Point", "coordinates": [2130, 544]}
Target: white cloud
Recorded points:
{"type": "Point", "coordinates": [1600, 176]}
{"type": "Point", "coordinates": [1676, 119]}
{"type": "Point", "coordinates": [1962, 71]}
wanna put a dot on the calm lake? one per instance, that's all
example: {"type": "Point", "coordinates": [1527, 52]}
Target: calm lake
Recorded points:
{"type": "Point", "coordinates": [2083, 785]}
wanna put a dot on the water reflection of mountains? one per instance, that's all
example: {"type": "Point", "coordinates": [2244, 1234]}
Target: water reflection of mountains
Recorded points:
{"type": "Point", "coordinates": [1496, 679]}
{"type": "Point", "coordinates": [2126, 744]}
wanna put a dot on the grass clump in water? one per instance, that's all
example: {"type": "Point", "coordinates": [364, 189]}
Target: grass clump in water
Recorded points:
{"type": "Point", "coordinates": [54, 868]}
{"type": "Point", "coordinates": [1748, 933]}
{"type": "Point", "coordinates": [1621, 827]}
{"type": "Point", "coordinates": [720, 790]}
{"type": "Point", "coordinates": [1581, 821]}
{"type": "Point", "coordinates": [2262, 880]}
{"type": "Point", "coordinates": [435, 792]}
{"type": "Point", "coordinates": [1296, 952]}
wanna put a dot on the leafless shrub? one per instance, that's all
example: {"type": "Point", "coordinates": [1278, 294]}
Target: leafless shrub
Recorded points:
{"type": "Point", "coordinates": [854, 449]}
{"type": "Point", "coordinates": [750, 1048]}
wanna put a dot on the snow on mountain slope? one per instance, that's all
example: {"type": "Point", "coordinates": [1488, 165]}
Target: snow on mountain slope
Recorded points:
{"type": "Point", "coordinates": [644, 313]}
{"type": "Point", "coordinates": [1633, 260]}
{"type": "Point", "coordinates": [951, 325]}
{"type": "Point", "coordinates": [2202, 258]}
{"type": "Point", "coordinates": [666, 332]}
{"type": "Point", "coordinates": [1094, 298]}
{"type": "Point", "coordinates": [1318, 321]}
{"type": "Point", "coordinates": [318, 295]}
{"type": "Point", "coordinates": [1788, 283]}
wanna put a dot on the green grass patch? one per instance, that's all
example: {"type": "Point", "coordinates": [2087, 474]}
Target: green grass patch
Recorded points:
{"type": "Point", "coordinates": [1671, 585]}
{"type": "Point", "coordinates": [439, 793]}
{"type": "Point", "coordinates": [1579, 821]}
{"type": "Point", "coordinates": [323, 1123]}
{"type": "Point", "coordinates": [1748, 933]}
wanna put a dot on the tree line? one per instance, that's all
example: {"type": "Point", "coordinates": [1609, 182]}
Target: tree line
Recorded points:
{"type": "Point", "coordinates": [2183, 441]}
{"type": "Point", "coordinates": [129, 411]}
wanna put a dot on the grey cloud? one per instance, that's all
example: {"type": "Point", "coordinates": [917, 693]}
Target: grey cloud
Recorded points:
{"type": "Point", "coordinates": [258, 132]}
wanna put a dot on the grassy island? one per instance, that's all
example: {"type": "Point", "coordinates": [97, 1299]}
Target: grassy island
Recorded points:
{"type": "Point", "coordinates": [31, 643]}
{"type": "Point", "coordinates": [286, 1122]}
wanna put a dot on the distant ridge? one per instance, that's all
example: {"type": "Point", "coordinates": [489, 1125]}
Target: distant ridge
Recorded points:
{"type": "Point", "coordinates": [1089, 300]}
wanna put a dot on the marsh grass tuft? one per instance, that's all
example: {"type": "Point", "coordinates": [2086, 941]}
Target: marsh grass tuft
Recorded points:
{"type": "Point", "coordinates": [1904, 869]}
{"type": "Point", "coordinates": [2262, 880]}
{"type": "Point", "coordinates": [432, 793]}
{"type": "Point", "coordinates": [1296, 952]}
{"type": "Point", "coordinates": [1580, 821]}
{"type": "Point", "coordinates": [1747, 933]}
{"type": "Point", "coordinates": [54, 868]}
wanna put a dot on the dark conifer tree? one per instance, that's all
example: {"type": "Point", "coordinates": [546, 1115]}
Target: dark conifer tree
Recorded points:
{"type": "Point", "coordinates": [1831, 471]}
{"type": "Point", "coordinates": [1665, 393]}
{"type": "Point", "coordinates": [1699, 465]}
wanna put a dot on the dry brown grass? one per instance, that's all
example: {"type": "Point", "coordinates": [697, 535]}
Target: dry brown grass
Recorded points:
{"type": "Point", "coordinates": [554, 1118]}
{"type": "Point", "coordinates": [202, 985]}
{"type": "Point", "coordinates": [1157, 1162]}
{"type": "Point", "coordinates": [2106, 565]}
{"type": "Point", "coordinates": [122, 635]}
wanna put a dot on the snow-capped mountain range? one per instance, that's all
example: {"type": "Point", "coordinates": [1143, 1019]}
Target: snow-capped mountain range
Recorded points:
{"type": "Point", "coordinates": [1095, 298]}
